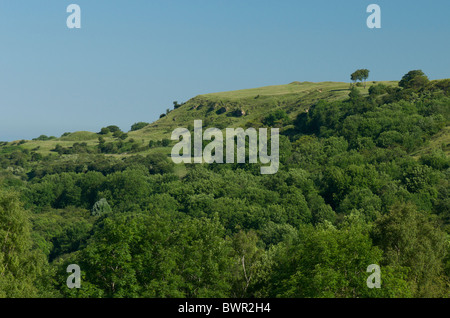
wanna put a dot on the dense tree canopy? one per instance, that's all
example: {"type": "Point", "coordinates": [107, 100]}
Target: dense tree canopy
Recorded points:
{"type": "Point", "coordinates": [361, 181]}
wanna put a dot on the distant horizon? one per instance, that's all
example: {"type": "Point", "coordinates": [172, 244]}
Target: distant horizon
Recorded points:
{"type": "Point", "coordinates": [129, 61]}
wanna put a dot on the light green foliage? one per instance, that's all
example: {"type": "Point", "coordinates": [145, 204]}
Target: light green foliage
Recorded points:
{"type": "Point", "coordinates": [157, 256]}
{"type": "Point", "coordinates": [410, 239]}
{"type": "Point", "coordinates": [332, 262]}
{"type": "Point", "coordinates": [248, 259]}
{"type": "Point", "coordinates": [20, 266]}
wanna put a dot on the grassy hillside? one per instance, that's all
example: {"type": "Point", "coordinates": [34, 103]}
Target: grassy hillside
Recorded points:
{"type": "Point", "coordinates": [242, 108]}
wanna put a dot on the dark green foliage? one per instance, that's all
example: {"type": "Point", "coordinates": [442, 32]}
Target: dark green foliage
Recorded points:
{"type": "Point", "coordinates": [360, 75]}
{"type": "Point", "coordinates": [176, 105]}
{"type": "Point", "coordinates": [104, 131]}
{"type": "Point", "coordinates": [138, 126]}
{"type": "Point", "coordinates": [113, 128]}
{"type": "Point", "coordinates": [77, 148]}
{"type": "Point", "coordinates": [277, 117]}
{"type": "Point", "coordinates": [165, 142]}
{"type": "Point", "coordinates": [440, 85]}
{"type": "Point", "coordinates": [44, 137]}
{"type": "Point", "coordinates": [436, 160]}
{"type": "Point", "coordinates": [404, 124]}
{"type": "Point", "coordinates": [378, 89]}
{"type": "Point", "coordinates": [120, 135]}
{"type": "Point", "coordinates": [414, 79]}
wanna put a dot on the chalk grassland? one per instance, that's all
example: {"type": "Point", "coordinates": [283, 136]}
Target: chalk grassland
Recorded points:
{"type": "Point", "coordinates": [241, 108]}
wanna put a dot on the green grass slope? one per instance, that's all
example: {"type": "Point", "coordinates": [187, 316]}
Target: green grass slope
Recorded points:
{"type": "Point", "coordinates": [241, 108]}
{"type": "Point", "coordinates": [245, 108]}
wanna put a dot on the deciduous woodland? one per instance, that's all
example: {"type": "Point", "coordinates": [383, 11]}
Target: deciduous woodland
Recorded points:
{"type": "Point", "coordinates": [363, 179]}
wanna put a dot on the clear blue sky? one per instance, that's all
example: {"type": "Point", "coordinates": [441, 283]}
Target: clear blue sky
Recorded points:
{"type": "Point", "coordinates": [131, 59]}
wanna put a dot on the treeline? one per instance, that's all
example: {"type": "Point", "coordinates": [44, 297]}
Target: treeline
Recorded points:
{"type": "Point", "coordinates": [348, 194]}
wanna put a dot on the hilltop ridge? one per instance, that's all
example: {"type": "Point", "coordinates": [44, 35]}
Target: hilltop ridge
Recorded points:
{"type": "Point", "coordinates": [240, 108]}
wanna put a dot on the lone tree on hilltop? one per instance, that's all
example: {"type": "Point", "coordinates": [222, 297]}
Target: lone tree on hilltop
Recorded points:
{"type": "Point", "coordinates": [360, 75]}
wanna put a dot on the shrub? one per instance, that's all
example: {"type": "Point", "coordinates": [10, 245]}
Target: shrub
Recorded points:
{"type": "Point", "coordinates": [165, 142]}
{"type": "Point", "coordinates": [121, 135]}
{"type": "Point", "coordinates": [44, 137]}
{"type": "Point", "coordinates": [113, 128]}
{"type": "Point", "coordinates": [278, 116]}
{"type": "Point", "coordinates": [138, 126]}
{"type": "Point", "coordinates": [104, 131]}
{"type": "Point", "coordinates": [414, 79]}
{"type": "Point", "coordinates": [377, 90]}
